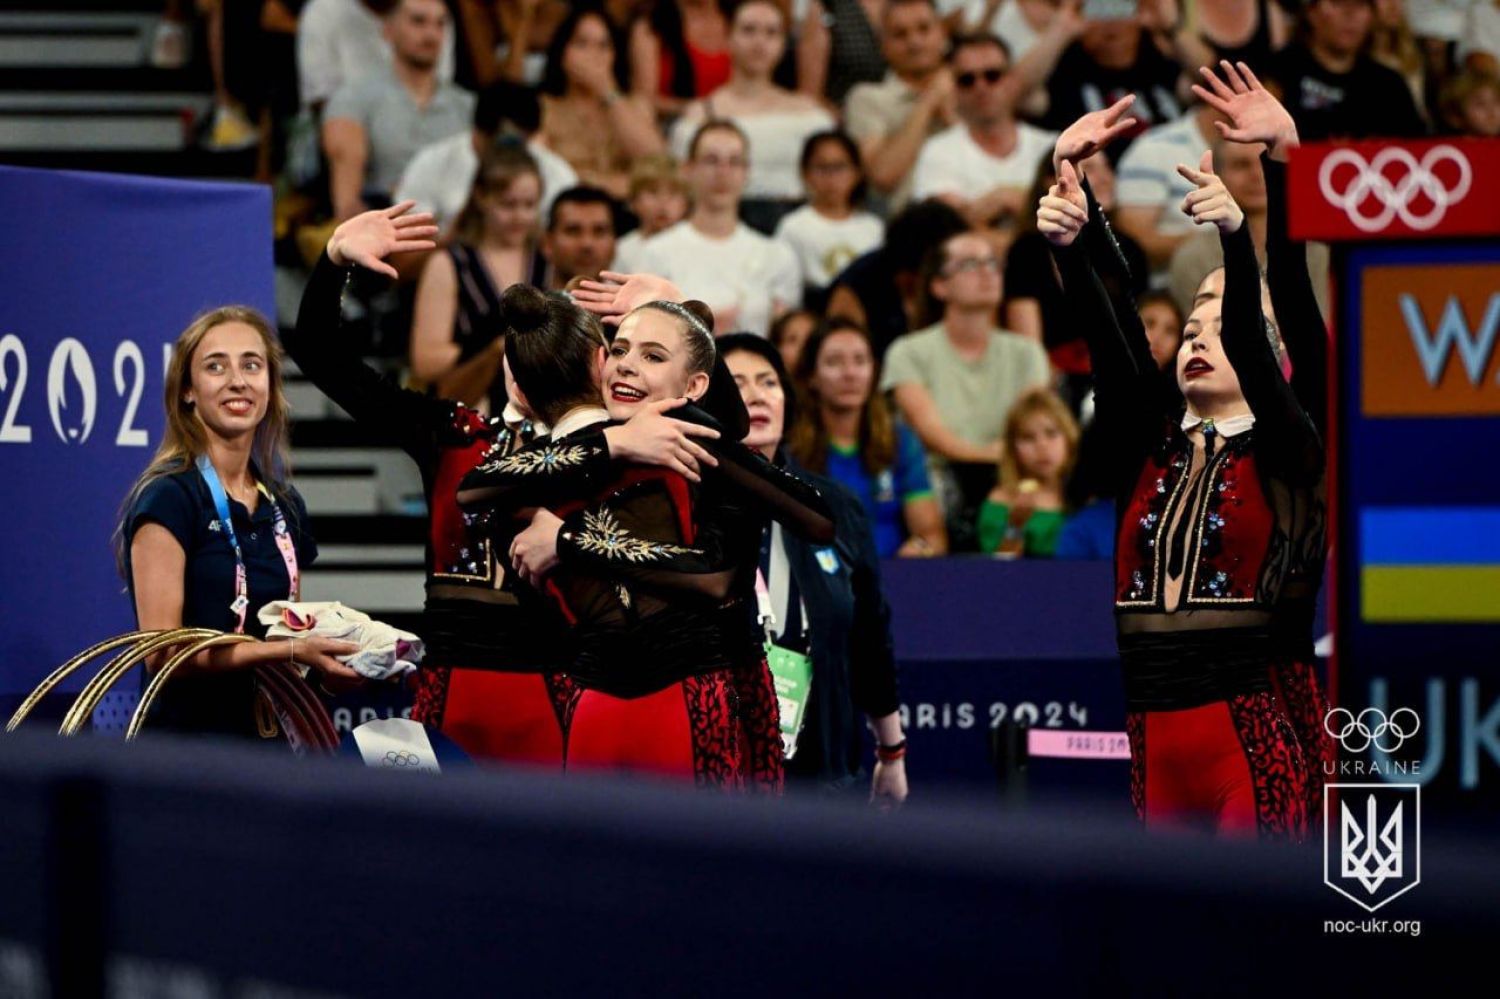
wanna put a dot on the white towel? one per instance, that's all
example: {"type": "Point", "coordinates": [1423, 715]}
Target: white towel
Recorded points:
{"type": "Point", "coordinates": [384, 651]}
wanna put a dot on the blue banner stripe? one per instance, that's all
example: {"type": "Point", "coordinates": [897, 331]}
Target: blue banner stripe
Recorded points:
{"type": "Point", "coordinates": [1430, 536]}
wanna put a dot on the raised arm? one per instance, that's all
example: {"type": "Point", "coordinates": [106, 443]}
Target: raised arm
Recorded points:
{"type": "Point", "coordinates": [1126, 401]}
{"type": "Point", "coordinates": [324, 351]}
{"type": "Point", "coordinates": [1290, 443]}
{"type": "Point", "coordinates": [1256, 116]}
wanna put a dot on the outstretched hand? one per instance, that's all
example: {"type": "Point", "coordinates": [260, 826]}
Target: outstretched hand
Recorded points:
{"type": "Point", "coordinates": [1063, 211]}
{"type": "Point", "coordinates": [1093, 132]}
{"type": "Point", "coordinates": [615, 295]}
{"type": "Point", "coordinates": [370, 237]}
{"type": "Point", "coordinates": [1254, 113]}
{"type": "Point", "coordinates": [1211, 202]}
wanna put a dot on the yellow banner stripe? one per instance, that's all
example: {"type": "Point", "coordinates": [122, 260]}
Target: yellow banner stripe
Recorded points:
{"type": "Point", "coordinates": [1430, 593]}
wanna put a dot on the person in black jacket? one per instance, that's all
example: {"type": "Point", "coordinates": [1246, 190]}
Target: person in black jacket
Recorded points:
{"type": "Point", "coordinates": [822, 602]}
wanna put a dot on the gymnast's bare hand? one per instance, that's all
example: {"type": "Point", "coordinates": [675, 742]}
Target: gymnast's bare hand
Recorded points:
{"type": "Point", "coordinates": [1063, 211]}
{"type": "Point", "coordinates": [1093, 132]}
{"type": "Point", "coordinates": [615, 295]}
{"type": "Point", "coordinates": [370, 237]}
{"type": "Point", "coordinates": [1211, 202]}
{"type": "Point", "coordinates": [652, 438]}
{"type": "Point", "coordinates": [533, 553]}
{"type": "Point", "coordinates": [1254, 114]}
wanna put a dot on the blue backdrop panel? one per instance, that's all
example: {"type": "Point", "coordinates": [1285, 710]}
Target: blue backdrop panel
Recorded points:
{"type": "Point", "coordinates": [1443, 670]}
{"type": "Point", "coordinates": [101, 273]}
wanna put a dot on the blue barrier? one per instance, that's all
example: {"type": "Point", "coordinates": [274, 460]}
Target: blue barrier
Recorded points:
{"type": "Point", "coordinates": [232, 872]}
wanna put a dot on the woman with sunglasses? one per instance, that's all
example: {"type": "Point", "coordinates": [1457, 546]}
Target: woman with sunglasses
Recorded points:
{"type": "Point", "coordinates": [1220, 510]}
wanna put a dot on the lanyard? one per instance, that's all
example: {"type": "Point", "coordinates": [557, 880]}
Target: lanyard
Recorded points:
{"type": "Point", "coordinates": [284, 544]}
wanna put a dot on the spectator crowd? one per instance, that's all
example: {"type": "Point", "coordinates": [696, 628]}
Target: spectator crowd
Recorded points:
{"type": "Point", "coordinates": [854, 179]}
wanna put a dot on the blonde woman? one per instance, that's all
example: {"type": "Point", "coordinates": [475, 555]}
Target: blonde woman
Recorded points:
{"type": "Point", "coordinates": [213, 530]}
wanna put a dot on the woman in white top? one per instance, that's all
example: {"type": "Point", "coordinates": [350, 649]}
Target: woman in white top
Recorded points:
{"type": "Point", "coordinates": [775, 120]}
{"type": "Point", "coordinates": [833, 227]}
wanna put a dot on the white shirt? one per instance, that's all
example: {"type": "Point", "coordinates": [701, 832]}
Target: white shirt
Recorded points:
{"type": "Point", "coordinates": [1147, 176]}
{"type": "Point", "coordinates": [1232, 427]}
{"type": "Point", "coordinates": [748, 272]}
{"type": "Point", "coordinates": [577, 419]}
{"type": "Point", "coordinates": [1008, 23]}
{"type": "Point", "coordinates": [776, 141]}
{"type": "Point", "coordinates": [339, 41]}
{"type": "Point", "coordinates": [951, 162]}
{"type": "Point", "coordinates": [628, 250]}
{"type": "Point", "coordinates": [1442, 19]}
{"type": "Point", "coordinates": [825, 246]}
{"type": "Point", "coordinates": [1481, 32]}
{"type": "Point", "coordinates": [441, 175]}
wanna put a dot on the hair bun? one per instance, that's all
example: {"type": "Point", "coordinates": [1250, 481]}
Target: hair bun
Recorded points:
{"type": "Point", "coordinates": [525, 308]}
{"type": "Point", "coordinates": [700, 312]}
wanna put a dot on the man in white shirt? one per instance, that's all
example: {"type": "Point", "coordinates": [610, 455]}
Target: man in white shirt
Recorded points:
{"type": "Point", "coordinates": [373, 127]}
{"type": "Point", "coordinates": [441, 175]}
{"type": "Point", "coordinates": [985, 165]}
{"type": "Point", "coordinates": [746, 278]}
{"type": "Point", "coordinates": [340, 41]}
{"type": "Point", "coordinates": [1149, 190]}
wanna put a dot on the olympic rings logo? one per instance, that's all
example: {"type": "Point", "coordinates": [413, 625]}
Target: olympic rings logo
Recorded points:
{"type": "Point", "coordinates": [1395, 199]}
{"type": "Point", "coordinates": [401, 759]}
{"type": "Point", "coordinates": [1355, 730]}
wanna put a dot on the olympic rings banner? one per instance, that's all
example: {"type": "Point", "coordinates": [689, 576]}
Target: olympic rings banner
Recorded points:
{"type": "Point", "coordinates": [99, 275]}
{"type": "Point", "coordinates": [1395, 189]}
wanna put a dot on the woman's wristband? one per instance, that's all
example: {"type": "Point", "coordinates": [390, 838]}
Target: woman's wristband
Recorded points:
{"type": "Point", "coordinates": [890, 754]}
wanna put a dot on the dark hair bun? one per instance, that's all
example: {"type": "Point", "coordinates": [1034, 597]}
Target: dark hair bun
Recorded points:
{"type": "Point", "coordinates": [525, 308]}
{"type": "Point", "coordinates": [700, 312]}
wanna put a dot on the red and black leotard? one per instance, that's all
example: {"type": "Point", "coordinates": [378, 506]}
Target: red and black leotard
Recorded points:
{"type": "Point", "coordinates": [710, 585]}
{"type": "Point", "coordinates": [493, 648]}
{"type": "Point", "coordinates": [1305, 338]}
{"type": "Point", "coordinates": [1208, 539]}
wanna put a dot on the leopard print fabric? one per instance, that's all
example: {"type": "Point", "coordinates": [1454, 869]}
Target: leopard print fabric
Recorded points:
{"type": "Point", "coordinates": [759, 712]}
{"type": "Point", "coordinates": [564, 693]}
{"type": "Point", "coordinates": [430, 690]}
{"type": "Point", "coordinates": [1306, 707]}
{"type": "Point", "coordinates": [1276, 766]}
{"type": "Point", "coordinates": [1135, 730]}
{"type": "Point", "coordinates": [716, 742]}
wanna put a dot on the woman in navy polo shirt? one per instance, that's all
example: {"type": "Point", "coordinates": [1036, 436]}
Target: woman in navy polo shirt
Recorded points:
{"type": "Point", "coordinates": [213, 530]}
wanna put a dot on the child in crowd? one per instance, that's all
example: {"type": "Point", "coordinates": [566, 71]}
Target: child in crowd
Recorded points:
{"type": "Point", "coordinates": [658, 198]}
{"type": "Point", "coordinates": [833, 227]}
{"type": "Point", "coordinates": [1025, 512]}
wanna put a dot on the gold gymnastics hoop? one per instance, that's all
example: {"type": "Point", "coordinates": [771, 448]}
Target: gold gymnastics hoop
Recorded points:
{"type": "Point", "coordinates": [93, 692]}
{"type": "Point", "coordinates": [62, 672]}
{"type": "Point", "coordinates": [165, 673]}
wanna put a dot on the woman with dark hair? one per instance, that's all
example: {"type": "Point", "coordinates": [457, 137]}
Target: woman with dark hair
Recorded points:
{"type": "Point", "coordinates": [826, 620]}
{"type": "Point", "coordinates": [1220, 505]}
{"type": "Point", "coordinates": [833, 227]}
{"type": "Point", "coordinates": [775, 120]}
{"type": "Point", "coordinates": [213, 529]}
{"type": "Point", "coordinates": [846, 432]}
{"type": "Point", "coordinates": [587, 117]}
{"type": "Point", "coordinates": [647, 565]}
{"type": "Point", "coordinates": [679, 52]}
{"type": "Point", "coordinates": [456, 321]}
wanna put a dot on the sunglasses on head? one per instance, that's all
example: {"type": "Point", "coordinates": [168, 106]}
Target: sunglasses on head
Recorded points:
{"type": "Point", "coordinates": [967, 80]}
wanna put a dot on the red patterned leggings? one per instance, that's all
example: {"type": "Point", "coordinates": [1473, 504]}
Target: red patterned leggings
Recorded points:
{"type": "Point", "coordinates": [1234, 768]}
{"type": "Point", "coordinates": [688, 731]}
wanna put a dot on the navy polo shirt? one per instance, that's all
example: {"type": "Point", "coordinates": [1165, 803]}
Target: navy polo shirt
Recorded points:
{"type": "Point", "coordinates": [223, 702]}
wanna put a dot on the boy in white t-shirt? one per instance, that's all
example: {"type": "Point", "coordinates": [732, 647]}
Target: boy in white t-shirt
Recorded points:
{"type": "Point", "coordinates": [746, 278]}
{"type": "Point", "coordinates": [658, 198]}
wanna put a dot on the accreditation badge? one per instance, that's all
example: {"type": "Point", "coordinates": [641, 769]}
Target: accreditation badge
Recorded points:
{"type": "Point", "coordinates": [792, 674]}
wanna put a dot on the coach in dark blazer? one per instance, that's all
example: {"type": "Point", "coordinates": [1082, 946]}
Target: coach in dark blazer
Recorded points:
{"type": "Point", "coordinates": [826, 601]}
